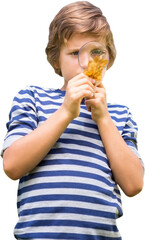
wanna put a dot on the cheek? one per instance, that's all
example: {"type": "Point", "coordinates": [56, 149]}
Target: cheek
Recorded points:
{"type": "Point", "coordinates": [68, 73]}
{"type": "Point", "coordinates": [70, 69]}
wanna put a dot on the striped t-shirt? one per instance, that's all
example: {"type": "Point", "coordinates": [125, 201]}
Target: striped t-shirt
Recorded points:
{"type": "Point", "coordinates": [71, 194]}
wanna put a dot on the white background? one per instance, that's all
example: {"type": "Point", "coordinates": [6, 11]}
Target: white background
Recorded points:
{"type": "Point", "coordinates": [23, 38]}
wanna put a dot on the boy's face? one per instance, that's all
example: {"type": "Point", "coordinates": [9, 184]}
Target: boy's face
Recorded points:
{"type": "Point", "coordinates": [68, 60]}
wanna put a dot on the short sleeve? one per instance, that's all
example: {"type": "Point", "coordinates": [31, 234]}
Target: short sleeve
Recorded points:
{"type": "Point", "coordinates": [22, 117]}
{"type": "Point", "coordinates": [129, 134]}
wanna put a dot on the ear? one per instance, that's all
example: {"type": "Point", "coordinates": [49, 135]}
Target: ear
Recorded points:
{"type": "Point", "coordinates": [56, 65]}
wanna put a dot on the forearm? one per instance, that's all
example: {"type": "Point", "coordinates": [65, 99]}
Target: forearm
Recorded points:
{"type": "Point", "coordinates": [125, 165]}
{"type": "Point", "coordinates": [26, 153]}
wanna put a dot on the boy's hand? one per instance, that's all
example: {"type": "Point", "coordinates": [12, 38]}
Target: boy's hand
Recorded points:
{"type": "Point", "coordinates": [98, 104]}
{"type": "Point", "coordinates": [78, 88]}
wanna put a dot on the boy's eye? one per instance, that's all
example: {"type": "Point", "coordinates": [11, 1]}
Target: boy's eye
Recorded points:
{"type": "Point", "coordinates": [96, 52]}
{"type": "Point", "coordinates": [75, 53]}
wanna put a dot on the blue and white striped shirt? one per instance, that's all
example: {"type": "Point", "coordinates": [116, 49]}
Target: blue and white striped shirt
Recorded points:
{"type": "Point", "coordinates": [71, 194]}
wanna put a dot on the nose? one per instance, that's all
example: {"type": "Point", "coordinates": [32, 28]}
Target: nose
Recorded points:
{"type": "Point", "coordinates": [83, 60]}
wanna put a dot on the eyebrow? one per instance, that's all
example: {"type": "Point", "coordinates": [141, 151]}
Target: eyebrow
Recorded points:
{"type": "Point", "coordinates": [73, 49]}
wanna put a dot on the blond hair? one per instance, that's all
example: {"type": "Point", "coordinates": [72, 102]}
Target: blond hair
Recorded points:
{"type": "Point", "coordinates": [80, 17]}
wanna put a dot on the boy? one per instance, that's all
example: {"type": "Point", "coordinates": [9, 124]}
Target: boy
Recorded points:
{"type": "Point", "coordinates": [69, 160]}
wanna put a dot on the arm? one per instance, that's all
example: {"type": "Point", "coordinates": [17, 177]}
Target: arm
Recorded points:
{"type": "Point", "coordinates": [126, 167]}
{"type": "Point", "coordinates": [27, 152]}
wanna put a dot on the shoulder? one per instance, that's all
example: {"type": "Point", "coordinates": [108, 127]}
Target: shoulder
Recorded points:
{"type": "Point", "coordinates": [29, 95]}
{"type": "Point", "coordinates": [121, 114]}
{"type": "Point", "coordinates": [38, 96]}
{"type": "Point", "coordinates": [118, 108]}
{"type": "Point", "coordinates": [33, 89]}
{"type": "Point", "coordinates": [36, 92]}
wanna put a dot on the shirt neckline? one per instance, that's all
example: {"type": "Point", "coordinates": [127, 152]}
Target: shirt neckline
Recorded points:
{"type": "Point", "coordinates": [60, 91]}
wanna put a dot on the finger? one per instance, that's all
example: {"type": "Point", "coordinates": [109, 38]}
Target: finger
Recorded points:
{"type": "Point", "coordinates": [79, 79]}
{"type": "Point", "coordinates": [99, 84]}
{"type": "Point", "coordinates": [89, 103]}
{"type": "Point", "coordinates": [98, 98]}
{"type": "Point", "coordinates": [93, 81]}
{"type": "Point", "coordinates": [88, 109]}
{"type": "Point", "coordinates": [82, 87]}
{"type": "Point", "coordinates": [100, 90]}
{"type": "Point", "coordinates": [85, 81]}
{"type": "Point", "coordinates": [83, 94]}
